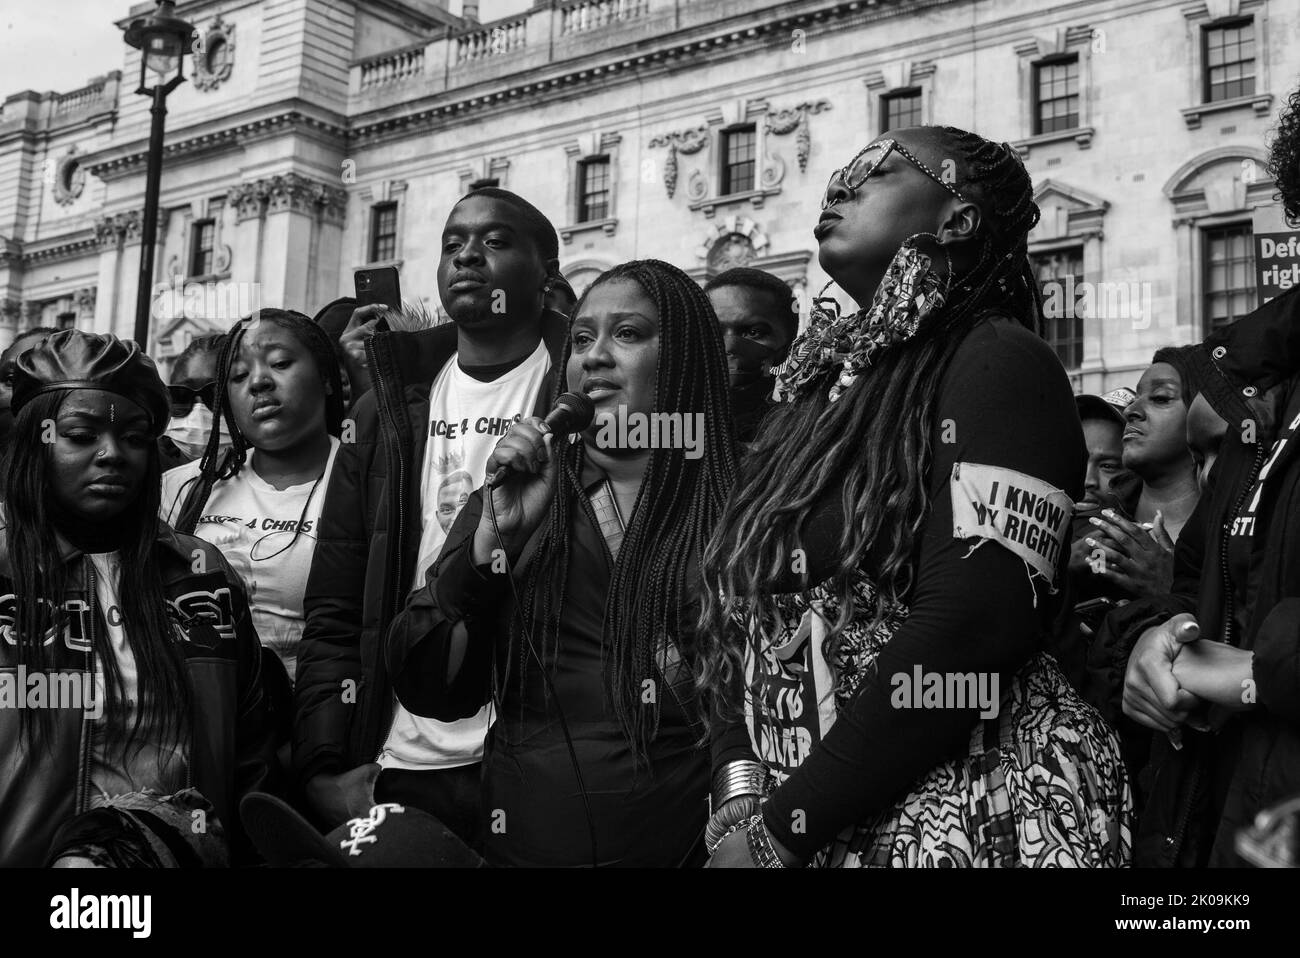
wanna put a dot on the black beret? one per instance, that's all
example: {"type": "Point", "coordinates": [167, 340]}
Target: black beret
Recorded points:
{"type": "Point", "coordinates": [71, 359]}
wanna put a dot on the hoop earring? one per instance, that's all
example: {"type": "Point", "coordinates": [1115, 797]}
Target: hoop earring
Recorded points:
{"type": "Point", "coordinates": [947, 257]}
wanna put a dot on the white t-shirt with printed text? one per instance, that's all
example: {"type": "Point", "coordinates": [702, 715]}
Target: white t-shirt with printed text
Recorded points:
{"type": "Point", "coordinates": [256, 527]}
{"type": "Point", "coordinates": [466, 420]}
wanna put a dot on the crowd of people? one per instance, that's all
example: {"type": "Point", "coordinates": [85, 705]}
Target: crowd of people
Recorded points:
{"type": "Point", "coordinates": [348, 591]}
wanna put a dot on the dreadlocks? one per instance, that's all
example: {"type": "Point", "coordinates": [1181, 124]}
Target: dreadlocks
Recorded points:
{"type": "Point", "coordinates": [873, 444]}
{"type": "Point", "coordinates": [677, 507]}
{"type": "Point", "coordinates": [212, 468]}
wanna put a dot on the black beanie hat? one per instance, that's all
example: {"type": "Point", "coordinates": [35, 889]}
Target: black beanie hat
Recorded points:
{"type": "Point", "coordinates": [71, 359]}
{"type": "Point", "coordinates": [537, 225]}
{"type": "Point", "coordinates": [1189, 371]}
{"type": "Point", "coordinates": [334, 317]}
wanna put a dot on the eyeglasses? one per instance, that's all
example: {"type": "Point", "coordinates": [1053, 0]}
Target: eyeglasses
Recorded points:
{"type": "Point", "coordinates": [868, 161]}
{"type": "Point", "coordinates": [183, 398]}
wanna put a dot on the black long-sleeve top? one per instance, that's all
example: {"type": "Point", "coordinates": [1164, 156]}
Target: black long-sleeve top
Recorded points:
{"type": "Point", "coordinates": [1004, 402]}
{"type": "Point", "coordinates": [534, 811]}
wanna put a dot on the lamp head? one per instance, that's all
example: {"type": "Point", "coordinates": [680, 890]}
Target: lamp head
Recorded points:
{"type": "Point", "coordinates": [162, 38]}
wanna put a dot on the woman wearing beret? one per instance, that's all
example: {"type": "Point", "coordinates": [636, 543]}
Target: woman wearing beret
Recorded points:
{"type": "Point", "coordinates": [126, 649]}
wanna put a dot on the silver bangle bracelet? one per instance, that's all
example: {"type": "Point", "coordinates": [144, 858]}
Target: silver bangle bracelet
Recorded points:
{"type": "Point", "coordinates": [719, 827]}
{"type": "Point", "coordinates": [744, 777]}
{"type": "Point", "coordinates": [760, 844]}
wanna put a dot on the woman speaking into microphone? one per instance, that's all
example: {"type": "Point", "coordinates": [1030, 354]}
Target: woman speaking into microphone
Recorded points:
{"type": "Point", "coordinates": [566, 600]}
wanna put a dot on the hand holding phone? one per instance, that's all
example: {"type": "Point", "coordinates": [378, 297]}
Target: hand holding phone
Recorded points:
{"type": "Point", "coordinates": [378, 286]}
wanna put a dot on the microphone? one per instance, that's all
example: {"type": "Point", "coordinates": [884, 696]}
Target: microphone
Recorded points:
{"type": "Point", "coordinates": [573, 412]}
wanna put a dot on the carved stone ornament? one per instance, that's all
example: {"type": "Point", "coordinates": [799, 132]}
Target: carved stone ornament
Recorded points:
{"type": "Point", "coordinates": [85, 300]}
{"type": "Point", "coordinates": [10, 310]}
{"type": "Point", "coordinates": [795, 120]}
{"type": "Point", "coordinates": [214, 55]}
{"type": "Point", "coordinates": [114, 227]}
{"type": "Point", "coordinates": [248, 199]}
{"type": "Point", "coordinates": [773, 171]}
{"type": "Point", "coordinates": [288, 192]}
{"type": "Point", "coordinates": [696, 185]}
{"type": "Point", "coordinates": [732, 250]}
{"type": "Point", "coordinates": [687, 142]}
{"type": "Point", "coordinates": [69, 177]}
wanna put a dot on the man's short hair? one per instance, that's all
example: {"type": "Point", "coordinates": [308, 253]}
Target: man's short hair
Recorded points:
{"type": "Point", "coordinates": [535, 223]}
{"type": "Point", "coordinates": [785, 306]}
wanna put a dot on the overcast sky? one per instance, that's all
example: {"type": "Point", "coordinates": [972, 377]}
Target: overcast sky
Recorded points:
{"type": "Point", "coordinates": [44, 50]}
{"type": "Point", "coordinates": [58, 44]}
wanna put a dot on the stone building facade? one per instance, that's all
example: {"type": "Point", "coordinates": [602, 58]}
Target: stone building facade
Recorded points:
{"type": "Point", "coordinates": [314, 137]}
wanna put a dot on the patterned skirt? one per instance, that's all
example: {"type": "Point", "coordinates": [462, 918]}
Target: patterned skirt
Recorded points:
{"type": "Point", "coordinates": [1041, 786]}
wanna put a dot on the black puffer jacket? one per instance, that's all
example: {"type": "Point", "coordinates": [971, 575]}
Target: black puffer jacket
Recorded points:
{"type": "Point", "coordinates": [1201, 795]}
{"type": "Point", "coordinates": [366, 553]}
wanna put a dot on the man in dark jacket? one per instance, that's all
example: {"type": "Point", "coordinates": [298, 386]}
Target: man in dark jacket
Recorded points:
{"type": "Point", "coordinates": [1216, 664]}
{"type": "Point", "coordinates": [441, 399]}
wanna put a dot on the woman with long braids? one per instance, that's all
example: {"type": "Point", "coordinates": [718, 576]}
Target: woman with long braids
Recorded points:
{"type": "Point", "coordinates": [876, 593]}
{"type": "Point", "coordinates": [153, 717]}
{"type": "Point", "coordinates": [568, 602]}
{"type": "Point", "coordinates": [279, 392]}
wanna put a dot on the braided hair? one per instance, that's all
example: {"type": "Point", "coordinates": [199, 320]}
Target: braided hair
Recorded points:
{"type": "Point", "coordinates": [872, 446]}
{"type": "Point", "coordinates": [212, 467]}
{"type": "Point", "coordinates": [679, 503]}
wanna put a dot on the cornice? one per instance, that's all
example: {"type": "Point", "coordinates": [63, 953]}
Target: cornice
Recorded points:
{"type": "Point", "coordinates": [441, 109]}
{"type": "Point", "coordinates": [130, 158]}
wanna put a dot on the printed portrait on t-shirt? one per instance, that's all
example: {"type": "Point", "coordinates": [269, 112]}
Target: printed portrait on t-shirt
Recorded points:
{"type": "Point", "coordinates": [453, 493]}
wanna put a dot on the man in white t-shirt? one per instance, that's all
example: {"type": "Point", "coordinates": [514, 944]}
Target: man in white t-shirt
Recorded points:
{"type": "Point", "coordinates": [442, 398]}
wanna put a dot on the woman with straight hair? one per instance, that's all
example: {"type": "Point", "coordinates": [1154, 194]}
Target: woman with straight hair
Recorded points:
{"type": "Point", "coordinates": [878, 591]}
{"type": "Point", "coordinates": [154, 716]}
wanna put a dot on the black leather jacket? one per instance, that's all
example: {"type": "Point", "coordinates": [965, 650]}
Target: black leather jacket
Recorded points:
{"type": "Point", "coordinates": [233, 746]}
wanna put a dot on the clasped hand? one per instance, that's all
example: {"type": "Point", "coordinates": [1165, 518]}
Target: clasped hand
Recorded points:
{"type": "Point", "coordinates": [1173, 672]}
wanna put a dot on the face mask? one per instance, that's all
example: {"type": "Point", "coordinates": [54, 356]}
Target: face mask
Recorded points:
{"type": "Point", "coordinates": [190, 434]}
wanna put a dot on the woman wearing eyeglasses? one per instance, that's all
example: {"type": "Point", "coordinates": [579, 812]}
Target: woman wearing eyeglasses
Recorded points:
{"type": "Point", "coordinates": [879, 588]}
{"type": "Point", "coordinates": [279, 392]}
{"type": "Point", "coordinates": [193, 393]}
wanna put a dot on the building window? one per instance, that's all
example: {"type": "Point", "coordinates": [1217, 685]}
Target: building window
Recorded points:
{"type": "Point", "coordinates": [66, 320]}
{"type": "Point", "coordinates": [484, 184]}
{"type": "Point", "coordinates": [1056, 95]}
{"type": "Point", "coordinates": [383, 232]}
{"type": "Point", "coordinates": [900, 109]}
{"type": "Point", "coordinates": [739, 149]}
{"type": "Point", "coordinates": [1229, 268]}
{"type": "Point", "coordinates": [1060, 278]}
{"type": "Point", "coordinates": [593, 199]}
{"type": "Point", "coordinates": [1229, 60]}
{"type": "Point", "coordinates": [201, 256]}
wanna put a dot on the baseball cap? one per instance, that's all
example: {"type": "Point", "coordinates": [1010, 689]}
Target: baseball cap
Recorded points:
{"type": "Point", "coordinates": [1109, 405]}
{"type": "Point", "coordinates": [389, 836]}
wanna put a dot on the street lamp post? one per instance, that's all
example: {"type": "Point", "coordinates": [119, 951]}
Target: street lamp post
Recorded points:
{"type": "Point", "coordinates": [161, 38]}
